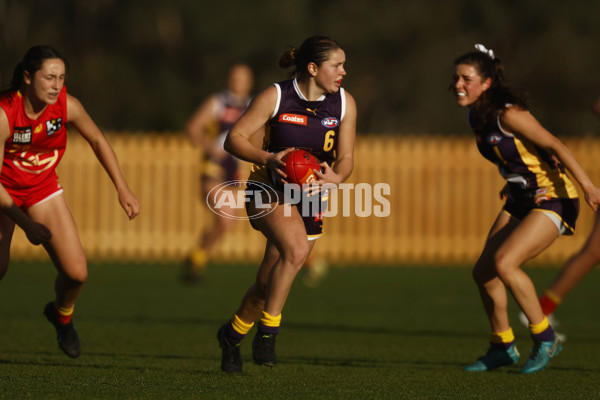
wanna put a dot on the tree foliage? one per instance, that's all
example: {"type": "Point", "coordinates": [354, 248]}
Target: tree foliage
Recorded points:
{"type": "Point", "coordinates": [139, 65]}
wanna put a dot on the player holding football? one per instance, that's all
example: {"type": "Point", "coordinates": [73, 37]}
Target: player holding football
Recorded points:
{"type": "Point", "coordinates": [309, 111]}
{"type": "Point", "coordinates": [541, 204]}
{"type": "Point", "coordinates": [34, 112]}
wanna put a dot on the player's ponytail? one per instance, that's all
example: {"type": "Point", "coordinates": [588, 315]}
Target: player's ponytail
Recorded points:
{"type": "Point", "coordinates": [288, 58]}
{"type": "Point", "coordinates": [17, 78]}
{"type": "Point", "coordinates": [315, 49]}
{"type": "Point", "coordinates": [31, 63]}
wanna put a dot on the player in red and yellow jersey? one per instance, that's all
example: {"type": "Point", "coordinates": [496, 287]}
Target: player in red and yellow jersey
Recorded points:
{"type": "Point", "coordinates": [34, 112]}
{"type": "Point", "coordinates": [309, 111]}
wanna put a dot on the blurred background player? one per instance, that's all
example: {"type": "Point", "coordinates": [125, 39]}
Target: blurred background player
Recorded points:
{"type": "Point", "coordinates": [207, 129]}
{"type": "Point", "coordinates": [34, 112]}
{"type": "Point", "coordinates": [541, 204]}
{"type": "Point", "coordinates": [293, 113]}
{"type": "Point", "coordinates": [574, 270]}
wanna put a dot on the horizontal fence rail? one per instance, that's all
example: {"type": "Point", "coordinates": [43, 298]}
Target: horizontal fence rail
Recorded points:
{"type": "Point", "coordinates": [443, 199]}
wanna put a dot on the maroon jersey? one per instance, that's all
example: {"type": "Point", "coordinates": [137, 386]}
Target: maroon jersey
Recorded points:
{"type": "Point", "coordinates": [229, 110]}
{"type": "Point", "coordinates": [309, 125]}
{"type": "Point", "coordinates": [529, 170]}
{"type": "Point", "coordinates": [34, 147]}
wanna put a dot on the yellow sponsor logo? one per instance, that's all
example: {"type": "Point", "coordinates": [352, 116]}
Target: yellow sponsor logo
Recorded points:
{"type": "Point", "coordinates": [35, 163]}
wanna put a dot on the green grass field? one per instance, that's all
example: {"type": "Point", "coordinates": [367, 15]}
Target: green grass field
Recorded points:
{"type": "Point", "coordinates": [364, 333]}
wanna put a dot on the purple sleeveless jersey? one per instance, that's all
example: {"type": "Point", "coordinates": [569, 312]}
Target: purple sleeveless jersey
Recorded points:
{"type": "Point", "coordinates": [308, 125]}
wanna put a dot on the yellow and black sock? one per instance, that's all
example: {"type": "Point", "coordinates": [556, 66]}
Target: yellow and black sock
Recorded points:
{"type": "Point", "coordinates": [237, 329]}
{"type": "Point", "coordinates": [269, 324]}
{"type": "Point", "coordinates": [503, 339]}
{"type": "Point", "coordinates": [542, 331]}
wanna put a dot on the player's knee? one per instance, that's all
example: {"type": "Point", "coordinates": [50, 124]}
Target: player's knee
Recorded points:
{"type": "Point", "coordinates": [504, 266]}
{"type": "Point", "coordinates": [298, 255]}
{"type": "Point", "coordinates": [81, 276]}
{"type": "Point", "coordinates": [78, 273]}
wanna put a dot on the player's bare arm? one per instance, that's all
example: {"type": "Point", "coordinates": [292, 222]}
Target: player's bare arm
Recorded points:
{"type": "Point", "coordinates": [196, 126]}
{"type": "Point", "coordinates": [523, 123]}
{"type": "Point", "coordinates": [104, 152]}
{"type": "Point", "coordinates": [238, 140]}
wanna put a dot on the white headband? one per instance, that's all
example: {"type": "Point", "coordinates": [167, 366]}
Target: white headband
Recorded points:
{"type": "Point", "coordinates": [482, 49]}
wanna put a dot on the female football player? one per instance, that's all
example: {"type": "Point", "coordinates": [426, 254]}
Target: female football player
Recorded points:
{"type": "Point", "coordinates": [207, 129]}
{"type": "Point", "coordinates": [34, 112]}
{"type": "Point", "coordinates": [310, 111]}
{"type": "Point", "coordinates": [541, 204]}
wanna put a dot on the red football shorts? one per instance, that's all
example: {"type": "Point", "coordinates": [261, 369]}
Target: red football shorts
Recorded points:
{"type": "Point", "coordinates": [25, 198]}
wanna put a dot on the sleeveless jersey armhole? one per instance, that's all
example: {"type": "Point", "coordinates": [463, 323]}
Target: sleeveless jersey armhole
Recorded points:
{"type": "Point", "coordinates": [276, 110]}
{"type": "Point", "coordinates": [218, 105]}
{"type": "Point", "coordinates": [504, 132]}
{"type": "Point", "coordinates": [343, 98]}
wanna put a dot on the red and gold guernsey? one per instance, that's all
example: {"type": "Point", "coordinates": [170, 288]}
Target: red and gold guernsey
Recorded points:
{"type": "Point", "coordinates": [35, 147]}
{"type": "Point", "coordinates": [296, 122]}
{"type": "Point", "coordinates": [531, 172]}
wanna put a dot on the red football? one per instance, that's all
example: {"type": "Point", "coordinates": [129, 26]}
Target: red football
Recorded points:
{"type": "Point", "coordinates": [299, 166]}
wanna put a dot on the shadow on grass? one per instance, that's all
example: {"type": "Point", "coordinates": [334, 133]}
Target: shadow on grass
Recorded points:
{"type": "Point", "coordinates": [118, 362]}
{"type": "Point", "coordinates": [313, 327]}
{"type": "Point", "coordinates": [123, 362]}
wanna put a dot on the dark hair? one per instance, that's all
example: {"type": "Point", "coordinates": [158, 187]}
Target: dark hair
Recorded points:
{"type": "Point", "coordinates": [485, 110]}
{"type": "Point", "coordinates": [314, 49]}
{"type": "Point", "coordinates": [32, 62]}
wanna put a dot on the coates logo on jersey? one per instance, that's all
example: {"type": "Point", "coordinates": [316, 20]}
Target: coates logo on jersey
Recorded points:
{"type": "Point", "coordinates": [330, 122]}
{"type": "Point", "coordinates": [293, 119]}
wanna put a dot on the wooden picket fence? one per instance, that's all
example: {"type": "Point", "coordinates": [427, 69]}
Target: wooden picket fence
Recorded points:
{"type": "Point", "coordinates": [443, 198]}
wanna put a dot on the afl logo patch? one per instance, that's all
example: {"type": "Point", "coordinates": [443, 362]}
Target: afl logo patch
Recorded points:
{"type": "Point", "coordinates": [494, 138]}
{"type": "Point", "coordinates": [53, 125]}
{"type": "Point", "coordinates": [330, 122]}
